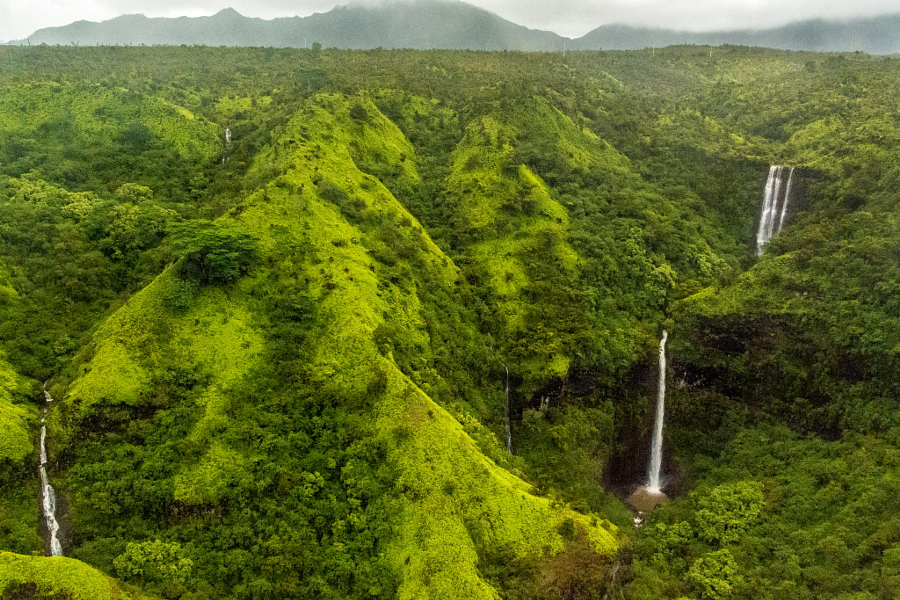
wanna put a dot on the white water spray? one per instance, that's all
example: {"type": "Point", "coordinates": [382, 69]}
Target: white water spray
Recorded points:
{"type": "Point", "coordinates": [775, 204]}
{"type": "Point", "coordinates": [653, 486]}
{"type": "Point", "coordinates": [48, 496]}
{"type": "Point", "coordinates": [227, 135]}
{"type": "Point", "coordinates": [506, 413]}
{"type": "Point", "coordinates": [787, 197]}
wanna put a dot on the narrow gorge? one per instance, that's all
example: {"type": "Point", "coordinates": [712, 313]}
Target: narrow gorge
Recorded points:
{"type": "Point", "coordinates": [48, 495]}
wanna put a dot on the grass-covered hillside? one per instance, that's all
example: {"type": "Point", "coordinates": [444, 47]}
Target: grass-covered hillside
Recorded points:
{"type": "Point", "coordinates": [286, 363]}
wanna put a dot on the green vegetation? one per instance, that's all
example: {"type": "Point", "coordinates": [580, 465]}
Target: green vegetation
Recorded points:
{"type": "Point", "coordinates": [44, 578]}
{"type": "Point", "coordinates": [280, 362]}
{"type": "Point", "coordinates": [18, 452]}
{"type": "Point", "coordinates": [210, 254]}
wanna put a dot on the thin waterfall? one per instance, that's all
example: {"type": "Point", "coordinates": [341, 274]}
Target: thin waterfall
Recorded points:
{"type": "Point", "coordinates": [227, 135]}
{"type": "Point", "coordinates": [653, 485]}
{"type": "Point", "coordinates": [506, 413]}
{"type": "Point", "coordinates": [787, 197]}
{"type": "Point", "coordinates": [774, 209]}
{"type": "Point", "coordinates": [48, 496]}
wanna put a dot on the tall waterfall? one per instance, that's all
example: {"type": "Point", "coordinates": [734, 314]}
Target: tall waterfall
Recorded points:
{"type": "Point", "coordinates": [775, 204]}
{"type": "Point", "coordinates": [48, 496]}
{"type": "Point", "coordinates": [653, 485]}
{"type": "Point", "coordinates": [227, 135]}
{"type": "Point", "coordinates": [506, 413]}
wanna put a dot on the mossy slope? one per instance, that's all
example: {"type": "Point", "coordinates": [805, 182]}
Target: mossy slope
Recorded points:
{"type": "Point", "coordinates": [16, 419]}
{"type": "Point", "coordinates": [44, 577]}
{"type": "Point", "coordinates": [18, 455]}
{"type": "Point", "coordinates": [333, 233]}
{"type": "Point", "coordinates": [451, 493]}
{"type": "Point", "coordinates": [555, 223]}
{"type": "Point", "coordinates": [514, 223]}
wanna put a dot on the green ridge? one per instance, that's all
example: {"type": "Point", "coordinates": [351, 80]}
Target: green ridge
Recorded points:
{"type": "Point", "coordinates": [451, 503]}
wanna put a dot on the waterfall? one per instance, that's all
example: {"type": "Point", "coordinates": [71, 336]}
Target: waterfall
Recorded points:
{"type": "Point", "coordinates": [775, 204]}
{"type": "Point", "coordinates": [656, 454]}
{"type": "Point", "coordinates": [509, 447]}
{"type": "Point", "coordinates": [227, 135]}
{"type": "Point", "coordinates": [48, 496]}
{"type": "Point", "coordinates": [787, 197]}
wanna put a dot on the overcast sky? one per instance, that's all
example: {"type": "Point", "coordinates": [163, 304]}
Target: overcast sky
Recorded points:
{"type": "Point", "coordinates": [573, 18]}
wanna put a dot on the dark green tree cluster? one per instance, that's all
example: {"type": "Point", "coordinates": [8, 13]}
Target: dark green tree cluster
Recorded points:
{"type": "Point", "coordinates": [211, 254]}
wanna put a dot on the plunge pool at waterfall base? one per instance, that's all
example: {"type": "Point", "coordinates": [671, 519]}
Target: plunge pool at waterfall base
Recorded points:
{"type": "Point", "coordinates": [643, 499]}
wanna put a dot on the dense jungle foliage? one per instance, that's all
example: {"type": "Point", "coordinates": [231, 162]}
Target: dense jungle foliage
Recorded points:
{"type": "Point", "coordinates": [280, 363]}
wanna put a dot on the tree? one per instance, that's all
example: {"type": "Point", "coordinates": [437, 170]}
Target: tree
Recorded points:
{"type": "Point", "coordinates": [714, 575]}
{"type": "Point", "coordinates": [726, 514]}
{"type": "Point", "coordinates": [211, 253]}
{"type": "Point", "coordinates": [153, 561]}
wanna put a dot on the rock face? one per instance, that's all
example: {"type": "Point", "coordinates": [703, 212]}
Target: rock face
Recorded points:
{"type": "Point", "coordinates": [643, 500]}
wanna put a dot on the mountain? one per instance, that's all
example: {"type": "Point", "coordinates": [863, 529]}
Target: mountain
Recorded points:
{"type": "Point", "coordinates": [420, 25]}
{"type": "Point", "coordinates": [878, 35]}
{"type": "Point", "coordinates": [450, 24]}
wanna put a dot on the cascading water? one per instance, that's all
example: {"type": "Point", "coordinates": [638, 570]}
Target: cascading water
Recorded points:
{"type": "Point", "coordinates": [787, 198]}
{"type": "Point", "coordinates": [227, 135]}
{"type": "Point", "coordinates": [653, 485]}
{"type": "Point", "coordinates": [506, 413]}
{"type": "Point", "coordinates": [775, 204]}
{"type": "Point", "coordinates": [48, 496]}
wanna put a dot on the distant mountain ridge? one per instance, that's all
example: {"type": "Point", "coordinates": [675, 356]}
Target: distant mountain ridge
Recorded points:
{"type": "Point", "coordinates": [420, 25]}
{"type": "Point", "coordinates": [876, 35]}
{"type": "Point", "coordinates": [451, 24]}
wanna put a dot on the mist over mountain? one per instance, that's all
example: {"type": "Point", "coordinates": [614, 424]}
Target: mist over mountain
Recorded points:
{"type": "Point", "coordinates": [448, 24]}
{"type": "Point", "coordinates": [419, 25]}
{"type": "Point", "coordinates": [877, 35]}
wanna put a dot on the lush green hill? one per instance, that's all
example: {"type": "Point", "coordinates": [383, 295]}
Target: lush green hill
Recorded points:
{"type": "Point", "coordinates": [281, 362]}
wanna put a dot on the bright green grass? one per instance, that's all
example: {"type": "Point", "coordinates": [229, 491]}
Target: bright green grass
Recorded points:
{"type": "Point", "coordinates": [16, 420]}
{"type": "Point", "coordinates": [448, 483]}
{"type": "Point", "coordinates": [59, 575]}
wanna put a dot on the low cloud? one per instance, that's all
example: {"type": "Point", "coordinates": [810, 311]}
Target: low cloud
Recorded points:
{"type": "Point", "coordinates": [575, 18]}
{"type": "Point", "coordinates": [572, 18]}
{"type": "Point", "coordinates": [266, 9]}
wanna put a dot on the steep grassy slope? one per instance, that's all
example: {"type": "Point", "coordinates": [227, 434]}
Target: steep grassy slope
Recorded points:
{"type": "Point", "coordinates": [40, 577]}
{"type": "Point", "coordinates": [96, 174]}
{"type": "Point", "coordinates": [507, 212]}
{"type": "Point", "coordinates": [18, 454]}
{"type": "Point", "coordinates": [331, 318]}
{"type": "Point", "coordinates": [16, 418]}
